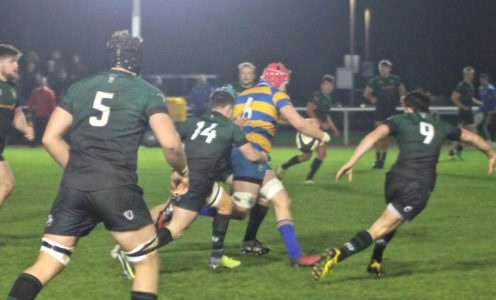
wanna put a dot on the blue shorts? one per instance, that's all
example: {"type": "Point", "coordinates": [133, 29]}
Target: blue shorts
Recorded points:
{"type": "Point", "coordinates": [245, 170]}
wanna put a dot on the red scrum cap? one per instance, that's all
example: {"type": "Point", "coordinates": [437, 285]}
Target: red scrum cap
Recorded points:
{"type": "Point", "coordinates": [276, 73]}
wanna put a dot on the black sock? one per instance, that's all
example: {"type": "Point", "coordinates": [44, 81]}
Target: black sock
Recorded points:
{"type": "Point", "coordinates": [383, 156]}
{"type": "Point", "coordinates": [219, 229]}
{"type": "Point", "coordinates": [313, 169]}
{"type": "Point", "coordinates": [459, 148]}
{"type": "Point", "coordinates": [356, 244]}
{"type": "Point", "coordinates": [377, 156]}
{"type": "Point", "coordinates": [380, 245]}
{"type": "Point", "coordinates": [164, 236]}
{"type": "Point", "coordinates": [257, 215]}
{"type": "Point", "coordinates": [143, 296]}
{"type": "Point", "coordinates": [293, 161]}
{"type": "Point", "coordinates": [26, 287]}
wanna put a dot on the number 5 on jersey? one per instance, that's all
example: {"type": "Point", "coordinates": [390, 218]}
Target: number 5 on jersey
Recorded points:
{"type": "Point", "coordinates": [97, 104]}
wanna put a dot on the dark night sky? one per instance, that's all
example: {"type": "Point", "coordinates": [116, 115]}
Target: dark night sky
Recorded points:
{"type": "Point", "coordinates": [429, 41]}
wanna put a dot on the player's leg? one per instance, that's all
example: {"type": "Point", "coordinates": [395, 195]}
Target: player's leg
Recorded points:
{"type": "Point", "coordinates": [297, 159]}
{"type": "Point", "coordinates": [140, 247]}
{"type": "Point", "coordinates": [54, 256]}
{"type": "Point", "coordinates": [381, 146]}
{"type": "Point", "coordinates": [321, 154]}
{"type": "Point", "coordinates": [273, 190]}
{"type": "Point", "coordinates": [221, 201]}
{"type": "Point", "coordinates": [68, 220]}
{"type": "Point", "coordinates": [387, 222]}
{"type": "Point", "coordinates": [7, 181]}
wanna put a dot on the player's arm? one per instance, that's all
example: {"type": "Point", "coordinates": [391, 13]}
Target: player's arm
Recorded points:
{"type": "Point", "coordinates": [480, 143]}
{"type": "Point", "coordinates": [333, 127]}
{"type": "Point", "coordinates": [367, 142]}
{"type": "Point", "coordinates": [253, 154]}
{"type": "Point", "coordinates": [455, 98]}
{"type": "Point", "coordinates": [297, 121]}
{"type": "Point", "coordinates": [163, 128]}
{"type": "Point", "coordinates": [476, 101]}
{"type": "Point", "coordinates": [402, 90]}
{"type": "Point", "coordinates": [20, 124]}
{"type": "Point", "coordinates": [368, 94]}
{"type": "Point", "coordinates": [59, 124]}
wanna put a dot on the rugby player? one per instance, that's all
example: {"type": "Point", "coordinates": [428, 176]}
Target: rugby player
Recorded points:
{"type": "Point", "coordinates": [463, 98]}
{"type": "Point", "coordinates": [385, 91]}
{"type": "Point", "coordinates": [263, 105]}
{"type": "Point", "coordinates": [318, 108]}
{"type": "Point", "coordinates": [410, 181]}
{"type": "Point", "coordinates": [246, 73]}
{"type": "Point", "coordinates": [10, 113]}
{"type": "Point", "coordinates": [106, 114]}
{"type": "Point", "coordinates": [205, 141]}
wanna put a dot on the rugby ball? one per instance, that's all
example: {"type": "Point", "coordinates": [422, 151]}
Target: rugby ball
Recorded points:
{"type": "Point", "coordinates": [305, 143]}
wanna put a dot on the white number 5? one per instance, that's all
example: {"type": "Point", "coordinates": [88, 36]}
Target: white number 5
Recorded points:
{"type": "Point", "coordinates": [427, 130]}
{"type": "Point", "coordinates": [97, 104]}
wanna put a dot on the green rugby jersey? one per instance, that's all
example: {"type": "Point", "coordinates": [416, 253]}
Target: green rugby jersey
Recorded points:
{"type": "Point", "coordinates": [466, 91]}
{"type": "Point", "coordinates": [420, 137]}
{"type": "Point", "coordinates": [207, 137]}
{"type": "Point", "coordinates": [238, 88]}
{"type": "Point", "coordinates": [9, 101]}
{"type": "Point", "coordinates": [386, 89]}
{"type": "Point", "coordinates": [110, 113]}
{"type": "Point", "coordinates": [323, 104]}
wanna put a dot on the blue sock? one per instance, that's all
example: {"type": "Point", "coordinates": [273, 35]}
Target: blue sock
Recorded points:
{"type": "Point", "coordinates": [208, 211]}
{"type": "Point", "coordinates": [286, 229]}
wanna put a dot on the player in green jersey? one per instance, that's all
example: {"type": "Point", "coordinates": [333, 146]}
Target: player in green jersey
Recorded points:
{"type": "Point", "coordinates": [106, 114]}
{"type": "Point", "coordinates": [247, 77]}
{"type": "Point", "coordinates": [384, 91]}
{"type": "Point", "coordinates": [10, 113]}
{"type": "Point", "coordinates": [410, 181]}
{"type": "Point", "coordinates": [318, 108]}
{"type": "Point", "coordinates": [463, 98]}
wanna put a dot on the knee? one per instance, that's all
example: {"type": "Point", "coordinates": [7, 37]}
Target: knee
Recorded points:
{"type": "Point", "coordinates": [239, 213]}
{"type": "Point", "coordinates": [322, 155]}
{"type": "Point", "coordinates": [282, 201]}
{"type": "Point", "coordinates": [176, 233]}
{"type": "Point", "coordinates": [8, 185]}
{"type": "Point", "coordinates": [305, 157]}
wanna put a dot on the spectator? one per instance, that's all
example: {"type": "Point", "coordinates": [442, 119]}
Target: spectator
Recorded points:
{"type": "Point", "coordinates": [61, 84]}
{"type": "Point", "coordinates": [28, 79]}
{"type": "Point", "coordinates": [57, 58]}
{"type": "Point", "coordinates": [51, 75]}
{"type": "Point", "coordinates": [199, 96]}
{"type": "Point", "coordinates": [40, 106]}
{"type": "Point", "coordinates": [77, 69]}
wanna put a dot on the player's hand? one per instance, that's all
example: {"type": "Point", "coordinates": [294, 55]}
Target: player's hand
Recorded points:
{"type": "Point", "coordinates": [335, 132]}
{"type": "Point", "coordinates": [29, 133]}
{"type": "Point", "coordinates": [242, 122]}
{"type": "Point", "coordinates": [265, 156]}
{"type": "Point", "coordinates": [180, 184]}
{"type": "Point", "coordinates": [346, 169]}
{"type": "Point", "coordinates": [326, 138]}
{"type": "Point", "coordinates": [492, 164]}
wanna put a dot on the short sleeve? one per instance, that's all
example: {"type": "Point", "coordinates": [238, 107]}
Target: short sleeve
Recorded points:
{"type": "Point", "coordinates": [68, 101]}
{"type": "Point", "coordinates": [459, 88]}
{"type": "Point", "coordinates": [313, 99]}
{"type": "Point", "coordinates": [156, 104]}
{"type": "Point", "coordinates": [239, 138]}
{"type": "Point", "coordinates": [281, 99]}
{"type": "Point", "coordinates": [454, 133]}
{"type": "Point", "coordinates": [393, 125]}
{"type": "Point", "coordinates": [372, 83]}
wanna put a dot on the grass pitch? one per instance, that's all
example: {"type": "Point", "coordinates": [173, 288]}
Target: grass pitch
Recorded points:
{"type": "Point", "coordinates": [448, 252]}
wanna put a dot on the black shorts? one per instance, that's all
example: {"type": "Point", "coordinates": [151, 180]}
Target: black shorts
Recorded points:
{"type": "Point", "coordinates": [465, 117]}
{"type": "Point", "coordinates": [382, 112]}
{"type": "Point", "coordinates": [407, 197]}
{"type": "Point", "coordinates": [201, 181]}
{"type": "Point", "coordinates": [76, 213]}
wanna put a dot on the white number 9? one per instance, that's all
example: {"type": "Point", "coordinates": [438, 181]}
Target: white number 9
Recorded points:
{"type": "Point", "coordinates": [427, 130]}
